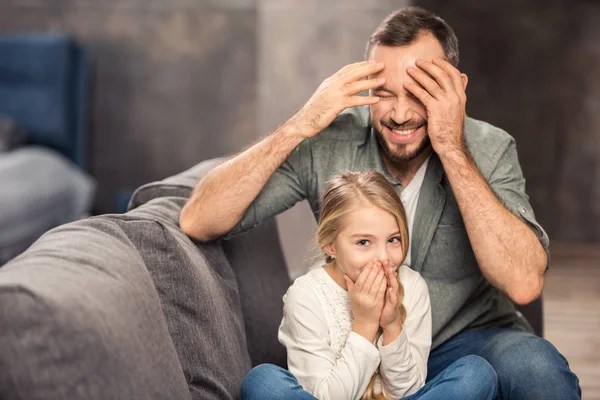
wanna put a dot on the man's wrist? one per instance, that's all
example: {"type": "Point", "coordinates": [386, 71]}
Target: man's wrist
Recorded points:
{"type": "Point", "coordinates": [293, 130]}
{"type": "Point", "coordinates": [454, 155]}
{"type": "Point", "coordinates": [297, 125]}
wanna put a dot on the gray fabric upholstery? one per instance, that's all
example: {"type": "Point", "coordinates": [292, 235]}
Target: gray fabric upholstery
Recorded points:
{"type": "Point", "coordinates": [259, 266]}
{"type": "Point", "coordinates": [256, 259]}
{"type": "Point", "coordinates": [80, 319]}
{"type": "Point", "coordinates": [199, 296]}
{"type": "Point", "coordinates": [180, 185]}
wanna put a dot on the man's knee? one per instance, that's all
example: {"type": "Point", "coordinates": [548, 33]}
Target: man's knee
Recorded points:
{"type": "Point", "coordinates": [530, 356]}
{"type": "Point", "coordinates": [478, 378]}
{"type": "Point", "coordinates": [533, 366]}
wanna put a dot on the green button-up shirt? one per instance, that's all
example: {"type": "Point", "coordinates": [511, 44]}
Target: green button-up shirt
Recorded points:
{"type": "Point", "coordinates": [461, 298]}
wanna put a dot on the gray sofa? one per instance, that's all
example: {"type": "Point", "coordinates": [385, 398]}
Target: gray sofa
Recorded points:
{"type": "Point", "coordinates": [126, 306]}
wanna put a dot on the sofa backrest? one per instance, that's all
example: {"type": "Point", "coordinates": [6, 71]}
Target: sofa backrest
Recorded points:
{"type": "Point", "coordinates": [256, 258]}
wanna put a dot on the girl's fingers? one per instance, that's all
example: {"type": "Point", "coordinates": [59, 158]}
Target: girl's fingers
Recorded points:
{"type": "Point", "coordinates": [393, 279]}
{"type": "Point", "coordinates": [379, 280]}
{"type": "Point", "coordinates": [373, 274]}
{"type": "Point", "coordinates": [382, 290]}
{"type": "Point", "coordinates": [362, 277]}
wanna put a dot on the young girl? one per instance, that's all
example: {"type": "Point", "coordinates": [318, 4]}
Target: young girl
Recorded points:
{"type": "Point", "coordinates": [360, 326]}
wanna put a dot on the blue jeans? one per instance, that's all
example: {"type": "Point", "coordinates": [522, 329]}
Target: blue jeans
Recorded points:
{"type": "Point", "coordinates": [528, 367]}
{"type": "Point", "coordinates": [470, 377]}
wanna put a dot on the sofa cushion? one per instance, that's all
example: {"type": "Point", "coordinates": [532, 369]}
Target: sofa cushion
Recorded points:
{"type": "Point", "coordinates": [256, 259]}
{"type": "Point", "coordinates": [80, 319]}
{"type": "Point", "coordinates": [259, 266]}
{"type": "Point", "coordinates": [199, 295]}
{"type": "Point", "coordinates": [180, 185]}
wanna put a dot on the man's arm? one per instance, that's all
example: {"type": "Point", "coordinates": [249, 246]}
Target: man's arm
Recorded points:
{"type": "Point", "coordinates": [222, 197]}
{"type": "Point", "coordinates": [508, 252]}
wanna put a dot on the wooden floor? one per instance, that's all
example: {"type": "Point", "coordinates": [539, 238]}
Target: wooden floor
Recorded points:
{"type": "Point", "coordinates": [572, 311]}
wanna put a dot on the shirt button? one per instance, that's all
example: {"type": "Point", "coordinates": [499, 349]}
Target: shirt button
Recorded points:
{"type": "Point", "coordinates": [523, 210]}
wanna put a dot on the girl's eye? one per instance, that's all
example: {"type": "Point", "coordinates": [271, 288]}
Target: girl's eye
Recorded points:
{"type": "Point", "coordinates": [363, 242]}
{"type": "Point", "coordinates": [394, 240]}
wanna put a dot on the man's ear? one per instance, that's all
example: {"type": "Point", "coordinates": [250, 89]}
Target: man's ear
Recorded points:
{"type": "Point", "coordinates": [465, 80]}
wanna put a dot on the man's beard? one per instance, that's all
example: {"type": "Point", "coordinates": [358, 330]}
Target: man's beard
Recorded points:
{"type": "Point", "coordinates": [403, 157]}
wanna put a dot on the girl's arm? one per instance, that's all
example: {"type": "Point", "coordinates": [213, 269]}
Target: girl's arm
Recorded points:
{"type": "Point", "coordinates": [305, 333]}
{"type": "Point", "coordinates": [404, 361]}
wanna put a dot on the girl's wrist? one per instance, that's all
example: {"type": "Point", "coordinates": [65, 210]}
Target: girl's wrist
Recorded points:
{"type": "Point", "coordinates": [392, 331]}
{"type": "Point", "coordinates": [366, 329]}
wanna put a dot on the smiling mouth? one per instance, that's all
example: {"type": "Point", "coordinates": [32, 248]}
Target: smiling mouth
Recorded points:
{"type": "Point", "coordinates": [405, 132]}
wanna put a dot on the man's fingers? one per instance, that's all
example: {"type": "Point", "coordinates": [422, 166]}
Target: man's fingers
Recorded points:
{"type": "Point", "coordinates": [452, 72]}
{"type": "Point", "coordinates": [362, 85]}
{"type": "Point", "coordinates": [426, 81]}
{"type": "Point", "coordinates": [356, 101]}
{"type": "Point", "coordinates": [361, 71]}
{"type": "Point", "coordinates": [420, 93]}
{"type": "Point", "coordinates": [440, 75]}
{"type": "Point", "coordinates": [344, 70]}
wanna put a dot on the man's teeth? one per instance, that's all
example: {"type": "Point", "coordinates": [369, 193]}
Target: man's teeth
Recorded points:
{"type": "Point", "coordinates": [404, 132]}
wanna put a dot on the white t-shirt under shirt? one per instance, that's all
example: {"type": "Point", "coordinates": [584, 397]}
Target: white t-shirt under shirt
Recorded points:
{"type": "Point", "coordinates": [410, 198]}
{"type": "Point", "coordinates": [332, 362]}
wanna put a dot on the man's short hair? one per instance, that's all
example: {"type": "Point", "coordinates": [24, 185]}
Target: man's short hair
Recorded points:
{"type": "Point", "coordinates": [404, 26]}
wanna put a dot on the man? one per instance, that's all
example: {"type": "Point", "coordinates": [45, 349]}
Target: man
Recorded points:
{"type": "Point", "coordinates": [475, 239]}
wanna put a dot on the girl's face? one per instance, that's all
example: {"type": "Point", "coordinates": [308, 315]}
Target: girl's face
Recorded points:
{"type": "Point", "coordinates": [367, 234]}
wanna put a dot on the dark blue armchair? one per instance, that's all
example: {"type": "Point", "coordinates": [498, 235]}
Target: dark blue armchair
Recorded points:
{"type": "Point", "coordinates": [44, 90]}
{"type": "Point", "coordinates": [44, 87]}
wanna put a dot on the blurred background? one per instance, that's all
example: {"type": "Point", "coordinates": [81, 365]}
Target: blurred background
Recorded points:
{"type": "Point", "coordinates": [162, 85]}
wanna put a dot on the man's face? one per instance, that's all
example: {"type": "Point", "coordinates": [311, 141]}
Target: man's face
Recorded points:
{"type": "Point", "coordinates": [399, 119]}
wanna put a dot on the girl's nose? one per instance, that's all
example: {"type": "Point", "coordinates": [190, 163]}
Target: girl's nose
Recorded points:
{"type": "Point", "coordinates": [382, 254]}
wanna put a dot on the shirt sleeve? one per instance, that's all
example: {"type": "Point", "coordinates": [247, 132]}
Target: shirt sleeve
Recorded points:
{"type": "Point", "coordinates": [508, 183]}
{"type": "Point", "coordinates": [404, 361]}
{"type": "Point", "coordinates": [305, 334]}
{"type": "Point", "coordinates": [287, 186]}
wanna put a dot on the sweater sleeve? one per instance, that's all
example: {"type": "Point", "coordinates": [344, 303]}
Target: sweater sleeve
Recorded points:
{"type": "Point", "coordinates": [305, 334]}
{"type": "Point", "coordinates": [404, 361]}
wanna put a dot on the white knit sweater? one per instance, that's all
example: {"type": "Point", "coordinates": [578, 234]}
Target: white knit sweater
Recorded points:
{"type": "Point", "coordinates": [332, 362]}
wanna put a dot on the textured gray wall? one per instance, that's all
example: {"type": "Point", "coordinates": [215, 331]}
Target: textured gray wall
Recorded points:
{"type": "Point", "coordinates": [532, 69]}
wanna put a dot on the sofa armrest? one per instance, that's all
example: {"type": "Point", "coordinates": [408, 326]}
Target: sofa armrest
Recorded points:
{"type": "Point", "coordinates": [81, 319]}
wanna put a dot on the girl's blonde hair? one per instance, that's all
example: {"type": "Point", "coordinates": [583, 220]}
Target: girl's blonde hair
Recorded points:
{"type": "Point", "coordinates": [348, 192]}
